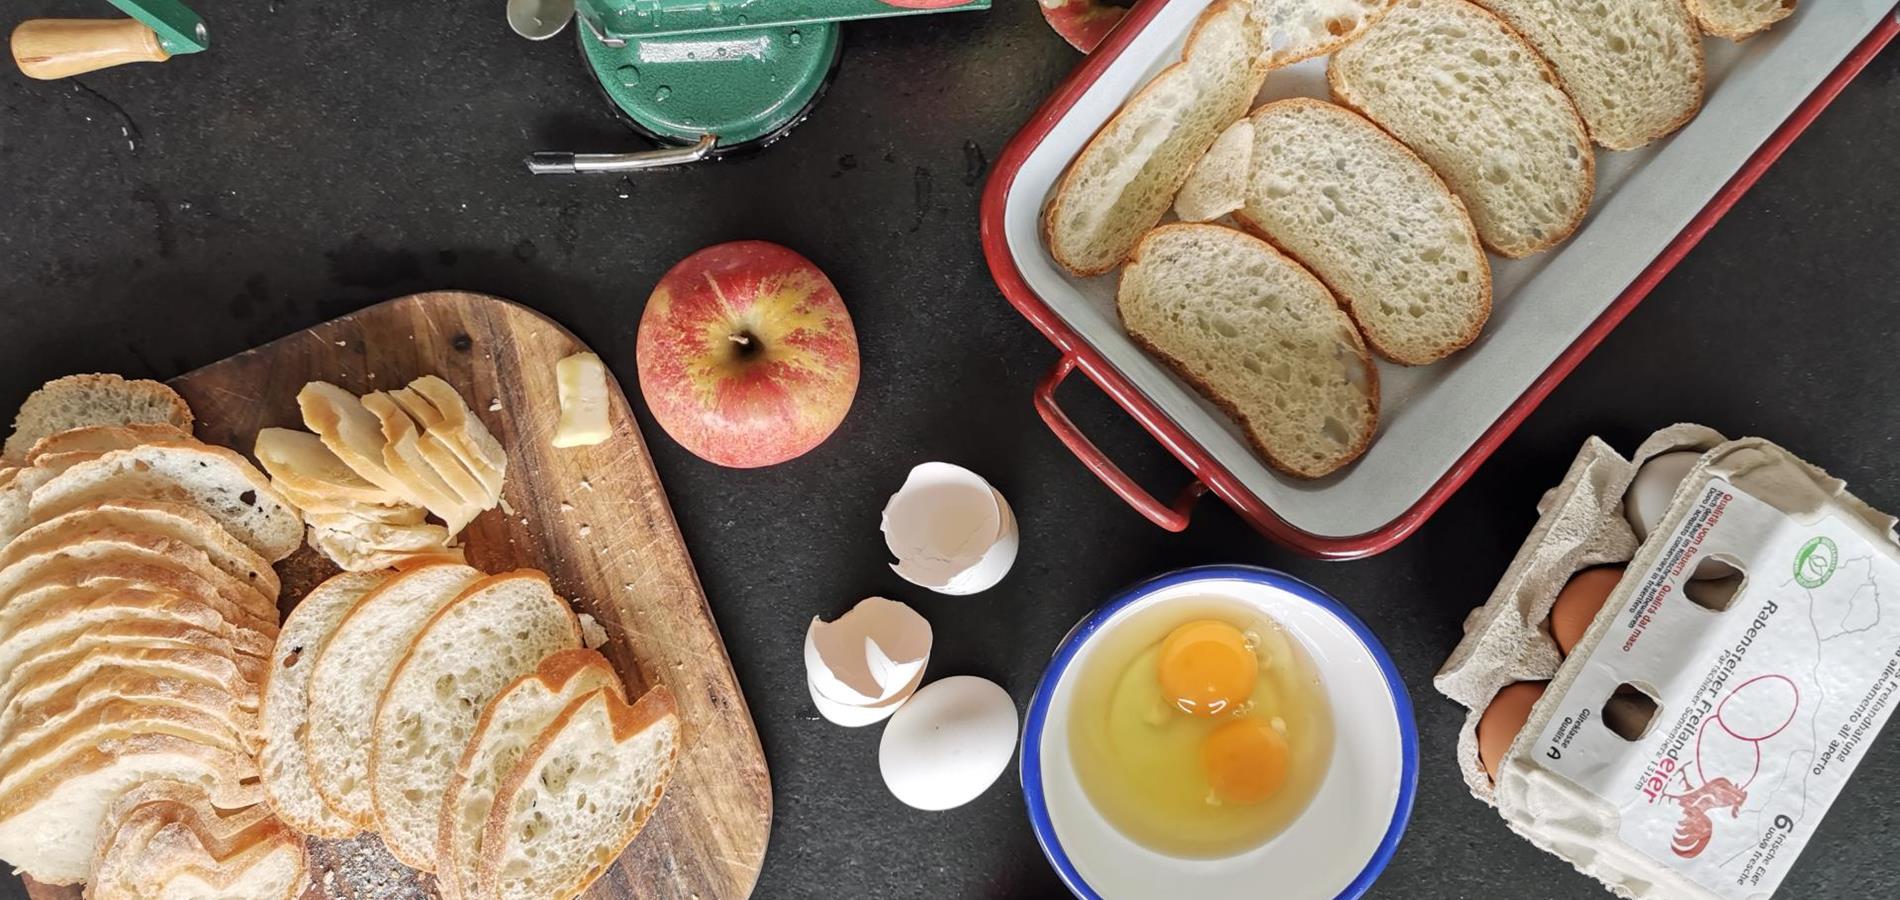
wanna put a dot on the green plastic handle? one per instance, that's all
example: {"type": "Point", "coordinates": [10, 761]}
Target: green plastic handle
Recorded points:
{"type": "Point", "coordinates": [179, 29]}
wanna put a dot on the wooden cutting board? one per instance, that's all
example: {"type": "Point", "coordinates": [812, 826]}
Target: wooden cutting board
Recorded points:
{"type": "Point", "coordinates": [594, 518]}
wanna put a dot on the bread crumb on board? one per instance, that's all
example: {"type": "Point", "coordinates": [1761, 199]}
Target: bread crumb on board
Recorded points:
{"type": "Point", "coordinates": [494, 405]}
{"type": "Point", "coordinates": [593, 635]}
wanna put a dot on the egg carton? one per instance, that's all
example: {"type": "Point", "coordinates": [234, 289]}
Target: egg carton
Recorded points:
{"type": "Point", "coordinates": [1659, 759]}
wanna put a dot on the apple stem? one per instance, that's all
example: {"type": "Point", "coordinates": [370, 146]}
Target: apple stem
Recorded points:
{"type": "Point", "coordinates": [748, 345]}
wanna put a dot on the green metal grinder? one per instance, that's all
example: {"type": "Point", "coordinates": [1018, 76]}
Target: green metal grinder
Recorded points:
{"type": "Point", "coordinates": [706, 78]}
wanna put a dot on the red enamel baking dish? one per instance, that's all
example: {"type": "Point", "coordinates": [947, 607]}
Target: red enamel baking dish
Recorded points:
{"type": "Point", "coordinates": [1441, 422]}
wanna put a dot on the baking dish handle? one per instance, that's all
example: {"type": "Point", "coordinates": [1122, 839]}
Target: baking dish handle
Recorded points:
{"type": "Point", "coordinates": [1171, 517]}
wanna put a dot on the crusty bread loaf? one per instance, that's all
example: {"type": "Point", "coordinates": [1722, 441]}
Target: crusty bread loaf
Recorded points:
{"type": "Point", "coordinates": [1127, 175]}
{"type": "Point", "coordinates": [103, 439]}
{"type": "Point", "coordinates": [163, 840]}
{"type": "Point", "coordinates": [1298, 29]}
{"type": "Point", "coordinates": [76, 401]}
{"type": "Point", "coordinates": [22, 564]}
{"type": "Point", "coordinates": [284, 761]}
{"type": "Point", "coordinates": [299, 461]}
{"type": "Point", "coordinates": [215, 480]}
{"type": "Point", "coordinates": [512, 722]}
{"type": "Point", "coordinates": [181, 522]}
{"type": "Point", "coordinates": [1634, 67]}
{"type": "Point", "coordinates": [1259, 336]}
{"type": "Point", "coordinates": [499, 629]}
{"type": "Point", "coordinates": [1374, 222]}
{"type": "Point", "coordinates": [1218, 183]}
{"type": "Point", "coordinates": [49, 826]}
{"type": "Point", "coordinates": [1739, 20]}
{"type": "Point", "coordinates": [352, 668]}
{"type": "Point", "coordinates": [580, 794]}
{"type": "Point", "coordinates": [1465, 93]}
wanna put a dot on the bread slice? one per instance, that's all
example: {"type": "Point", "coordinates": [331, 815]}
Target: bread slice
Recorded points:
{"type": "Point", "coordinates": [512, 721]}
{"type": "Point", "coordinates": [213, 479]}
{"type": "Point", "coordinates": [1375, 224]}
{"type": "Point", "coordinates": [34, 687]}
{"type": "Point", "coordinates": [579, 796]}
{"type": "Point", "coordinates": [30, 754]}
{"type": "Point", "coordinates": [103, 439]}
{"type": "Point", "coordinates": [1634, 67]}
{"type": "Point", "coordinates": [434, 449]}
{"type": "Point", "coordinates": [50, 825]}
{"type": "Point", "coordinates": [402, 455]}
{"type": "Point", "coordinates": [1127, 175]}
{"type": "Point", "coordinates": [159, 689]}
{"type": "Point", "coordinates": [353, 666]}
{"type": "Point", "coordinates": [1739, 20]}
{"type": "Point", "coordinates": [119, 610]}
{"type": "Point", "coordinates": [181, 522]}
{"type": "Point", "coordinates": [22, 564]}
{"type": "Point", "coordinates": [285, 764]}
{"type": "Point", "coordinates": [16, 495]}
{"type": "Point", "coordinates": [353, 434]}
{"type": "Point", "coordinates": [459, 428]}
{"type": "Point", "coordinates": [1298, 29]}
{"type": "Point", "coordinates": [48, 669]}
{"type": "Point", "coordinates": [96, 592]}
{"type": "Point", "coordinates": [1260, 337]}
{"type": "Point", "coordinates": [300, 461]}
{"type": "Point", "coordinates": [376, 547]}
{"type": "Point", "coordinates": [163, 839]}
{"type": "Point", "coordinates": [76, 401]}
{"type": "Point", "coordinates": [1218, 184]}
{"type": "Point", "coordinates": [497, 631]}
{"type": "Point", "coordinates": [1466, 94]}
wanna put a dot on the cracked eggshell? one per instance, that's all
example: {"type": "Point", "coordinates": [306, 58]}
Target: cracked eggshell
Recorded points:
{"type": "Point", "coordinates": [854, 716]}
{"type": "Point", "coordinates": [873, 654]}
{"type": "Point", "coordinates": [950, 530]}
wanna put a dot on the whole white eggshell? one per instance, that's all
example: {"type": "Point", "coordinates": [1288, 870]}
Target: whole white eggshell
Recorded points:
{"type": "Point", "coordinates": [948, 743]}
{"type": "Point", "coordinates": [1652, 489]}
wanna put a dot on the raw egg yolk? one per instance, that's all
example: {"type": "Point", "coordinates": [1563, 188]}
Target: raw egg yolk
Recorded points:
{"type": "Point", "coordinates": [1245, 760]}
{"type": "Point", "coordinates": [1205, 667]}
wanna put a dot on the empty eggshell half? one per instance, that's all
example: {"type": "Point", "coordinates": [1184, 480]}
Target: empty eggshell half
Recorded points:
{"type": "Point", "coordinates": [870, 657]}
{"type": "Point", "coordinates": [859, 716]}
{"type": "Point", "coordinates": [950, 530]}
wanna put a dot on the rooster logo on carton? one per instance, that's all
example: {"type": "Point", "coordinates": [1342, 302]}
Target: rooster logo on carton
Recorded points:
{"type": "Point", "coordinates": [1728, 756]}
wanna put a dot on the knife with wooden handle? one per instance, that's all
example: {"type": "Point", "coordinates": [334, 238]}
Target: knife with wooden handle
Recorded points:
{"type": "Point", "coordinates": [59, 48]}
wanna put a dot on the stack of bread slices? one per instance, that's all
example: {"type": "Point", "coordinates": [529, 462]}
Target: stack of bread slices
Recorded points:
{"type": "Point", "coordinates": [1456, 127]}
{"type": "Point", "coordinates": [458, 716]}
{"type": "Point", "coordinates": [373, 468]}
{"type": "Point", "coordinates": [138, 610]}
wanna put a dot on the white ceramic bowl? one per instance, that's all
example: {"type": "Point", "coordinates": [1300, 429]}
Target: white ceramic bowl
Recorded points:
{"type": "Point", "coordinates": [1336, 848]}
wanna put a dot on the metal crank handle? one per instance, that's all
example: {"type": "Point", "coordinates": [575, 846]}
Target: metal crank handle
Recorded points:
{"type": "Point", "coordinates": [548, 163]}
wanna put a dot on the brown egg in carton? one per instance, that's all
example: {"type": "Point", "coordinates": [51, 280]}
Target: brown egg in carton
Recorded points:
{"type": "Point", "coordinates": [1632, 761]}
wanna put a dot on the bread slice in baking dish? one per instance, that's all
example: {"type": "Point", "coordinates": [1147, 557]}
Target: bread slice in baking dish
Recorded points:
{"type": "Point", "coordinates": [517, 715]}
{"type": "Point", "coordinates": [213, 479]}
{"type": "Point", "coordinates": [1465, 93]}
{"type": "Point", "coordinates": [164, 839]}
{"type": "Point", "coordinates": [580, 794]}
{"type": "Point", "coordinates": [1298, 29]}
{"type": "Point", "coordinates": [288, 783]}
{"type": "Point", "coordinates": [1260, 337]}
{"type": "Point", "coordinates": [1218, 183]}
{"type": "Point", "coordinates": [1739, 20]}
{"type": "Point", "coordinates": [1127, 175]}
{"type": "Point", "coordinates": [352, 668]}
{"type": "Point", "coordinates": [76, 401]}
{"type": "Point", "coordinates": [499, 629]}
{"type": "Point", "coordinates": [1634, 67]}
{"type": "Point", "coordinates": [1374, 222]}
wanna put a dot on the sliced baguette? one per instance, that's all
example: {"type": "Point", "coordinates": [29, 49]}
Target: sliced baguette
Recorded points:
{"type": "Point", "coordinates": [352, 668]}
{"type": "Point", "coordinates": [1260, 337]}
{"type": "Point", "coordinates": [354, 435]}
{"type": "Point", "coordinates": [1634, 67]}
{"type": "Point", "coordinates": [47, 671]}
{"type": "Point", "coordinates": [35, 686]}
{"type": "Point", "coordinates": [50, 710]}
{"type": "Point", "coordinates": [1464, 92]}
{"type": "Point", "coordinates": [1127, 175]}
{"type": "Point", "coordinates": [495, 632]}
{"type": "Point", "coordinates": [285, 764]}
{"type": "Point", "coordinates": [1739, 20]}
{"type": "Point", "coordinates": [103, 439]}
{"type": "Point", "coordinates": [181, 522]}
{"type": "Point", "coordinates": [23, 563]}
{"type": "Point", "coordinates": [213, 479]}
{"type": "Point", "coordinates": [163, 839]}
{"type": "Point", "coordinates": [121, 610]}
{"type": "Point", "coordinates": [1374, 222]}
{"type": "Point", "coordinates": [50, 825]}
{"type": "Point", "coordinates": [512, 721]}
{"type": "Point", "coordinates": [402, 455]}
{"type": "Point", "coordinates": [1298, 29]}
{"type": "Point", "coordinates": [383, 547]}
{"type": "Point", "coordinates": [302, 463]}
{"type": "Point", "coordinates": [1218, 184]}
{"type": "Point", "coordinates": [98, 591]}
{"type": "Point", "coordinates": [579, 796]}
{"type": "Point", "coordinates": [77, 401]}
{"type": "Point", "coordinates": [16, 496]}
{"type": "Point", "coordinates": [27, 756]}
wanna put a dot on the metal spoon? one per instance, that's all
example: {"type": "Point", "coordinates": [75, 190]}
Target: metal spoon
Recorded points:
{"type": "Point", "coordinates": [538, 20]}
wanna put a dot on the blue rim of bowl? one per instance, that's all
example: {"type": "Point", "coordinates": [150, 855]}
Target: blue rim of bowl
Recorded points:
{"type": "Point", "coordinates": [1030, 761]}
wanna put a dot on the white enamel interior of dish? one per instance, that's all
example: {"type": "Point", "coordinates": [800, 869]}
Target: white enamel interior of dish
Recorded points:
{"type": "Point", "coordinates": [1430, 416]}
{"type": "Point", "coordinates": [1324, 849]}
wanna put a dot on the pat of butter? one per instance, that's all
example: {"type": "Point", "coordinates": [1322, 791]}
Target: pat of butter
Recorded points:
{"type": "Point", "coordinates": [583, 386]}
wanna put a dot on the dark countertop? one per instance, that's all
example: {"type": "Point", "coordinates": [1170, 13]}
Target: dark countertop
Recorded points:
{"type": "Point", "coordinates": [323, 157]}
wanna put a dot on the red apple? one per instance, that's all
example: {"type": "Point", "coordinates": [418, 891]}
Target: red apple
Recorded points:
{"type": "Point", "coordinates": [746, 354]}
{"type": "Point", "coordinates": [1083, 23]}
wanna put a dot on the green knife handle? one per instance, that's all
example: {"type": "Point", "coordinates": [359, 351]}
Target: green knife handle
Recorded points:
{"type": "Point", "coordinates": [57, 48]}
